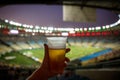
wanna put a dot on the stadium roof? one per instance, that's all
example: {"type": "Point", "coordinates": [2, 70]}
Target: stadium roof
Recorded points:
{"type": "Point", "coordinates": [109, 5]}
{"type": "Point", "coordinates": [112, 5]}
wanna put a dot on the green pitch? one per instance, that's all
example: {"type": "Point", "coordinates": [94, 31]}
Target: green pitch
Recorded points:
{"type": "Point", "coordinates": [76, 52]}
{"type": "Point", "coordinates": [19, 60]}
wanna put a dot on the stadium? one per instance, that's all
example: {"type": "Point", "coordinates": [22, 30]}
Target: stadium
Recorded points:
{"type": "Point", "coordinates": [92, 48]}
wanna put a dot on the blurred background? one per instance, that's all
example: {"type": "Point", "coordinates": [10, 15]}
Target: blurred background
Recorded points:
{"type": "Point", "coordinates": [92, 29]}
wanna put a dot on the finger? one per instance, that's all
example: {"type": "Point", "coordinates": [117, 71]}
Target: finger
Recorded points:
{"type": "Point", "coordinates": [67, 50]}
{"type": "Point", "coordinates": [65, 65]}
{"type": "Point", "coordinates": [46, 49]}
{"type": "Point", "coordinates": [67, 59]}
{"type": "Point", "coordinates": [46, 55]}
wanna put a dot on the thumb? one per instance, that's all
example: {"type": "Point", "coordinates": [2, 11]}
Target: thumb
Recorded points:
{"type": "Point", "coordinates": [46, 48]}
{"type": "Point", "coordinates": [67, 50]}
{"type": "Point", "coordinates": [46, 52]}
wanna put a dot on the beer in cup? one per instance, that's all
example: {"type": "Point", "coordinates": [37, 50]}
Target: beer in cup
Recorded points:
{"type": "Point", "coordinates": [57, 48]}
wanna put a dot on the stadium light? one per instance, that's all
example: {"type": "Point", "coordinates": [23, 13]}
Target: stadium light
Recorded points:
{"type": "Point", "coordinates": [90, 28]}
{"type": "Point", "coordinates": [13, 32]}
{"type": "Point", "coordinates": [55, 29]}
{"type": "Point", "coordinates": [98, 28]}
{"type": "Point", "coordinates": [107, 26]}
{"type": "Point", "coordinates": [31, 26]}
{"type": "Point", "coordinates": [50, 28]}
{"type": "Point", "coordinates": [71, 31]}
{"type": "Point", "coordinates": [118, 21]}
{"type": "Point", "coordinates": [85, 29]}
{"type": "Point", "coordinates": [15, 23]}
{"type": "Point", "coordinates": [41, 31]}
{"type": "Point", "coordinates": [46, 31]}
{"type": "Point", "coordinates": [81, 29]}
{"type": "Point", "coordinates": [64, 33]}
{"type": "Point", "coordinates": [44, 28]}
{"type": "Point", "coordinates": [33, 34]}
{"type": "Point", "coordinates": [6, 21]}
{"type": "Point", "coordinates": [114, 24]}
{"type": "Point", "coordinates": [29, 30]}
{"type": "Point", "coordinates": [103, 27]}
{"type": "Point", "coordinates": [93, 28]}
{"type": "Point", "coordinates": [76, 29]}
{"type": "Point", "coordinates": [37, 27]}
{"type": "Point", "coordinates": [24, 25]}
{"type": "Point", "coordinates": [11, 22]}
{"type": "Point", "coordinates": [119, 15]}
{"type": "Point", "coordinates": [34, 30]}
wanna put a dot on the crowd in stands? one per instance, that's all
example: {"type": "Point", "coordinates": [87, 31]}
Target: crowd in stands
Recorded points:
{"type": "Point", "coordinates": [15, 72]}
{"type": "Point", "coordinates": [19, 73]}
{"type": "Point", "coordinates": [37, 41]}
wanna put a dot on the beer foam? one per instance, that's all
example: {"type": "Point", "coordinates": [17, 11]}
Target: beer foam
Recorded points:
{"type": "Point", "coordinates": [57, 42]}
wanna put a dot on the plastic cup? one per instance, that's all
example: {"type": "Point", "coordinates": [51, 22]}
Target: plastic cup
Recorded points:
{"type": "Point", "coordinates": [57, 48]}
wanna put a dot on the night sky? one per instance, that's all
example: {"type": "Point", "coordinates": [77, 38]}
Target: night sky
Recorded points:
{"type": "Point", "coordinates": [51, 15]}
